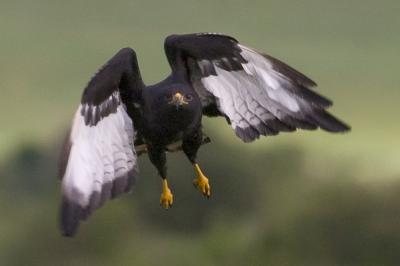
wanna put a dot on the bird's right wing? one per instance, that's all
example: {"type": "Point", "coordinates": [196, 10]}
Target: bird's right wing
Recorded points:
{"type": "Point", "coordinates": [99, 161]}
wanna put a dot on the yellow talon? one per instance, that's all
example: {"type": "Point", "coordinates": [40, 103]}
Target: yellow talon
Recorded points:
{"type": "Point", "coordinates": [201, 182]}
{"type": "Point", "coordinates": [166, 199]}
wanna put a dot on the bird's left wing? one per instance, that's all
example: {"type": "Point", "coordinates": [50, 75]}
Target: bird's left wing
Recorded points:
{"type": "Point", "coordinates": [98, 160]}
{"type": "Point", "coordinates": [258, 94]}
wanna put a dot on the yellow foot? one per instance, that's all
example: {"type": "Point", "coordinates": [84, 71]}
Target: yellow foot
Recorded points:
{"type": "Point", "coordinates": [166, 199]}
{"type": "Point", "coordinates": [201, 182]}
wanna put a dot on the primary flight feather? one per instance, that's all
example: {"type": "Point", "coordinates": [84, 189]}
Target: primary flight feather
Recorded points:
{"type": "Point", "coordinates": [212, 74]}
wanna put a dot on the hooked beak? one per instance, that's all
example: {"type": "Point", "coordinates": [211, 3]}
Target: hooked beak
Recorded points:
{"type": "Point", "coordinates": [178, 100]}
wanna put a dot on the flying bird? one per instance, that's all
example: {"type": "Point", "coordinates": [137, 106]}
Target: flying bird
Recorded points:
{"type": "Point", "coordinates": [120, 117]}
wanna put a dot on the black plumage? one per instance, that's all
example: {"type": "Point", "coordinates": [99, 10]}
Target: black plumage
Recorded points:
{"type": "Point", "coordinates": [213, 75]}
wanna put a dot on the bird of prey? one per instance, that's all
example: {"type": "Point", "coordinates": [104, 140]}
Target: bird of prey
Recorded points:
{"type": "Point", "coordinates": [212, 75]}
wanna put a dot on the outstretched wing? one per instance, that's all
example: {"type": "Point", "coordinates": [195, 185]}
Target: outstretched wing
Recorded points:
{"type": "Point", "coordinates": [99, 161]}
{"type": "Point", "coordinates": [258, 94]}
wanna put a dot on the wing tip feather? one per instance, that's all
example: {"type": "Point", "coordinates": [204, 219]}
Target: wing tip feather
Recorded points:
{"type": "Point", "coordinates": [329, 123]}
{"type": "Point", "coordinates": [70, 216]}
{"type": "Point", "coordinates": [71, 213]}
{"type": "Point", "coordinates": [248, 134]}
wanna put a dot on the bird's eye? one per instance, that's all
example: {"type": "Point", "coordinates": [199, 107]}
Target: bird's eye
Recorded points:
{"type": "Point", "coordinates": [188, 97]}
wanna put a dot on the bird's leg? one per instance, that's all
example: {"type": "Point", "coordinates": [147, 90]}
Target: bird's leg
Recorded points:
{"type": "Point", "coordinates": [166, 199]}
{"type": "Point", "coordinates": [201, 182]}
{"type": "Point", "coordinates": [158, 158]}
{"type": "Point", "coordinates": [191, 144]}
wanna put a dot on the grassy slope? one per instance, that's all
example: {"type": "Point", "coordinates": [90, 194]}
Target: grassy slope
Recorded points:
{"type": "Point", "coordinates": [50, 49]}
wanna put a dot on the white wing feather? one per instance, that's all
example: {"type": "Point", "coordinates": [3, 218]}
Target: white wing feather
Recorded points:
{"type": "Point", "coordinates": [99, 155]}
{"type": "Point", "coordinates": [253, 96]}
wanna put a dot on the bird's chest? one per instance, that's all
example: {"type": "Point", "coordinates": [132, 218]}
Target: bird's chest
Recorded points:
{"type": "Point", "coordinates": [167, 128]}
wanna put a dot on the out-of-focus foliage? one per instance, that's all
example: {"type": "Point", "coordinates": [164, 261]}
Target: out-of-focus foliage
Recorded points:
{"type": "Point", "coordinates": [296, 199]}
{"type": "Point", "coordinates": [266, 209]}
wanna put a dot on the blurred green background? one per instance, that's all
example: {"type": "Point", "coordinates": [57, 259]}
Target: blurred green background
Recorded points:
{"type": "Point", "coordinates": [307, 198]}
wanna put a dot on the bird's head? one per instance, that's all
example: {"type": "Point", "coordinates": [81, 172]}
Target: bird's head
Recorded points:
{"type": "Point", "coordinates": [178, 99]}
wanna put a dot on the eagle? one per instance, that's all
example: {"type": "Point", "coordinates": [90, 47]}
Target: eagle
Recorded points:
{"type": "Point", "coordinates": [212, 74]}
